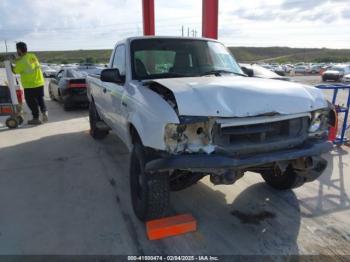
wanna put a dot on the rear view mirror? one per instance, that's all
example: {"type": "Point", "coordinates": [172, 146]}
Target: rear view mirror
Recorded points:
{"type": "Point", "coordinates": [112, 76]}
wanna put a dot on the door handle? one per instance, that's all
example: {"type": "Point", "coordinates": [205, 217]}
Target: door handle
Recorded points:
{"type": "Point", "coordinates": [124, 104]}
{"type": "Point", "coordinates": [104, 90]}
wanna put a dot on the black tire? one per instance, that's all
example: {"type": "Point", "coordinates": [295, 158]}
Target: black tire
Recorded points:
{"type": "Point", "coordinates": [52, 97]}
{"type": "Point", "coordinates": [149, 192]}
{"type": "Point", "coordinates": [11, 122]}
{"type": "Point", "coordinates": [20, 120]}
{"type": "Point", "coordinates": [95, 132]}
{"type": "Point", "coordinates": [283, 180]}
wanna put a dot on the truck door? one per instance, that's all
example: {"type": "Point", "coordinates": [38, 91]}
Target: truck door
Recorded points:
{"type": "Point", "coordinates": [54, 84]}
{"type": "Point", "coordinates": [114, 93]}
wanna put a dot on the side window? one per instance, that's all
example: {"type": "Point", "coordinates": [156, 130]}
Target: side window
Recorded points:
{"type": "Point", "coordinates": [119, 59]}
{"type": "Point", "coordinates": [60, 74]}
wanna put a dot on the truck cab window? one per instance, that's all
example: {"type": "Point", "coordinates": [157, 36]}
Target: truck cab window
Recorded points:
{"type": "Point", "coordinates": [119, 59]}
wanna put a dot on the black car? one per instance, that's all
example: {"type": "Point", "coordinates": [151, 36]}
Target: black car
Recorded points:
{"type": "Point", "coordinates": [69, 86]}
{"type": "Point", "coordinates": [255, 70]}
{"type": "Point", "coordinates": [335, 73]}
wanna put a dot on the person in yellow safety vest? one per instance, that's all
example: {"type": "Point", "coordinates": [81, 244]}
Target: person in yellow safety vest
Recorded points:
{"type": "Point", "coordinates": [32, 79]}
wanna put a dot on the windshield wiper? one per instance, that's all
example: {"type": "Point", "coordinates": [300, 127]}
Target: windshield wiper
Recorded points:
{"type": "Point", "coordinates": [171, 74]}
{"type": "Point", "coordinates": [220, 72]}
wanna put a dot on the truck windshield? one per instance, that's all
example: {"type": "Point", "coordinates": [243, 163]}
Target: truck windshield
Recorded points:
{"type": "Point", "coordinates": [167, 58]}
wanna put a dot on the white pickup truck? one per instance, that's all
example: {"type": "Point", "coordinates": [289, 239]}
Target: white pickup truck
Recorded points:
{"type": "Point", "coordinates": [185, 110]}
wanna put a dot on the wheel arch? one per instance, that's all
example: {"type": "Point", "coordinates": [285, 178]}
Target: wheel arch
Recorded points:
{"type": "Point", "coordinates": [134, 134]}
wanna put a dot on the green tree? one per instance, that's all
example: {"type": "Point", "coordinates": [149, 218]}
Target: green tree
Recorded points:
{"type": "Point", "coordinates": [90, 60]}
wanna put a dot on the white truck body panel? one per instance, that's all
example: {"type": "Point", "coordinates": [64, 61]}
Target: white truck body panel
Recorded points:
{"type": "Point", "coordinates": [236, 96]}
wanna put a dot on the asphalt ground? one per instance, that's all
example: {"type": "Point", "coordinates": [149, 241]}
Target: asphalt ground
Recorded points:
{"type": "Point", "coordinates": [61, 192]}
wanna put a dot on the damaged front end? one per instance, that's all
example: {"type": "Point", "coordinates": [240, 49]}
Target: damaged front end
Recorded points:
{"type": "Point", "coordinates": [226, 147]}
{"type": "Point", "coordinates": [192, 135]}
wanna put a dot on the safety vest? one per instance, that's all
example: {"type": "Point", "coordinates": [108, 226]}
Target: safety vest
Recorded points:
{"type": "Point", "coordinates": [29, 69]}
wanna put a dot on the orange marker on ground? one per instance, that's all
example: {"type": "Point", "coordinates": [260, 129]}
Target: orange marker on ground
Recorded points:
{"type": "Point", "coordinates": [170, 226]}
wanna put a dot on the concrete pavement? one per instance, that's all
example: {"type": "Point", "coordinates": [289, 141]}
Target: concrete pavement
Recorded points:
{"type": "Point", "coordinates": [61, 192]}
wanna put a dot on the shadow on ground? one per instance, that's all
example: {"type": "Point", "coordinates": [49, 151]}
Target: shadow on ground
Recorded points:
{"type": "Point", "coordinates": [72, 194]}
{"type": "Point", "coordinates": [260, 220]}
{"type": "Point", "coordinates": [336, 200]}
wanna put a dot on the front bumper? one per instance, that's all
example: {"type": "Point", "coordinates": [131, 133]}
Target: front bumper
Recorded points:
{"type": "Point", "coordinates": [215, 161]}
{"type": "Point", "coordinates": [331, 77]}
{"type": "Point", "coordinates": [75, 96]}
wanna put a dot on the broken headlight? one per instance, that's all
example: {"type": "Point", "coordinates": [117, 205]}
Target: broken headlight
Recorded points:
{"type": "Point", "coordinates": [191, 138]}
{"type": "Point", "coordinates": [319, 122]}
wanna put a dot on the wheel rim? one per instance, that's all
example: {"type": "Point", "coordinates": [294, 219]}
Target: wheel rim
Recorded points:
{"type": "Point", "coordinates": [12, 123]}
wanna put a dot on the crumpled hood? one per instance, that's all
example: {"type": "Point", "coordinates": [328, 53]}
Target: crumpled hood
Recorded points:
{"type": "Point", "coordinates": [235, 96]}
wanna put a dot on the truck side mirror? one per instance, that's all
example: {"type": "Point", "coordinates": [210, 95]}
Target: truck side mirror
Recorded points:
{"type": "Point", "coordinates": [249, 72]}
{"type": "Point", "coordinates": [112, 75]}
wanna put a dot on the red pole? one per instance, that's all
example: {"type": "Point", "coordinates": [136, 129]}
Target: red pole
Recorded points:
{"type": "Point", "coordinates": [148, 17]}
{"type": "Point", "coordinates": [210, 14]}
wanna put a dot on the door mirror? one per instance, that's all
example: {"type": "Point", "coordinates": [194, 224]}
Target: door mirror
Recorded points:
{"type": "Point", "coordinates": [112, 75]}
{"type": "Point", "coordinates": [249, 72]}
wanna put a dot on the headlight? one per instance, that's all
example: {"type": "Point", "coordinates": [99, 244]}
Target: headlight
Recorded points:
{"type": "Point", "coordinates": [319, 122]}
{"type": "Point", "coordinates": [194, 137]}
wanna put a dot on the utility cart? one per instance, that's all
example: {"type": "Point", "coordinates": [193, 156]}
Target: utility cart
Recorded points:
{"type": "Point", "coordinates": [11, 99]}
{"type": "Point", "coordinates": [340, 137]}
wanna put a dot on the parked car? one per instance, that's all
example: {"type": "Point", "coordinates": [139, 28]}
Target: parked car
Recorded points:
{"type": "Point", "coordinates": [69, 86]}
{"type": "Point", "coordinates": [335, 73]}
{"type": "Point", "coordinates": [346, 78]}
{"type": "Point", "coordinates": [301, 69]}
{"type": "Point", "coordinates": [279, 70]}
{"type": "Point", "coordinates": [315, 69]}
{"type": "Point", "coordinates": [48, 71]}
{"type": "Point", "coordinates": [287, 68]}
{"type": "Point", "coordinates": [203, 116]}
{"type": "Point", "coordinates": [255, 70]}
{"type": "Point", "coordinates": [275, 68]}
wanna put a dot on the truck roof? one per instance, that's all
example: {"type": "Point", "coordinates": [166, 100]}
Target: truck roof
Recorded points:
{"type": "Point", "coordinates": [129, 39]}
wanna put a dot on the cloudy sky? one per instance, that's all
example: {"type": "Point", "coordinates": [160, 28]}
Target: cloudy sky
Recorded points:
{"type": "Point", "coordinates": [98, 24]}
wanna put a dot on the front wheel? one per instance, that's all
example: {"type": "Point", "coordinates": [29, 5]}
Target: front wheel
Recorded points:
{"type": "Point", "coordinates": [149, 192]}
{"type": "Point", "coordinates": [95, 132]}
{"type": "Point", "coordinates": [283, 180]}
{"type": "Point", "coordinates": [20, 119]}
{"type": "Point", "coordinates": [52, 97]}
{"type": "Point", "coordinates": [12, 122]}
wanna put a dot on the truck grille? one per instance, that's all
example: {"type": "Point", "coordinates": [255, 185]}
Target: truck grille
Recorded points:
{"type": "Point", "coordinates": [264, 137]}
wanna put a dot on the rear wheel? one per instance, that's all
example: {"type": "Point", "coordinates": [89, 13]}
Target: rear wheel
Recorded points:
{"type": "Point", "coordinates": [95, 132]}
{"type": "Point", "coordinates": [283, 180]}
{"type": "Point", "coordinates": [12, 122]}
{"type": "Point", "coordinates": [20, 119]}
{"type": "Point", "coordinates": [149, 192]}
